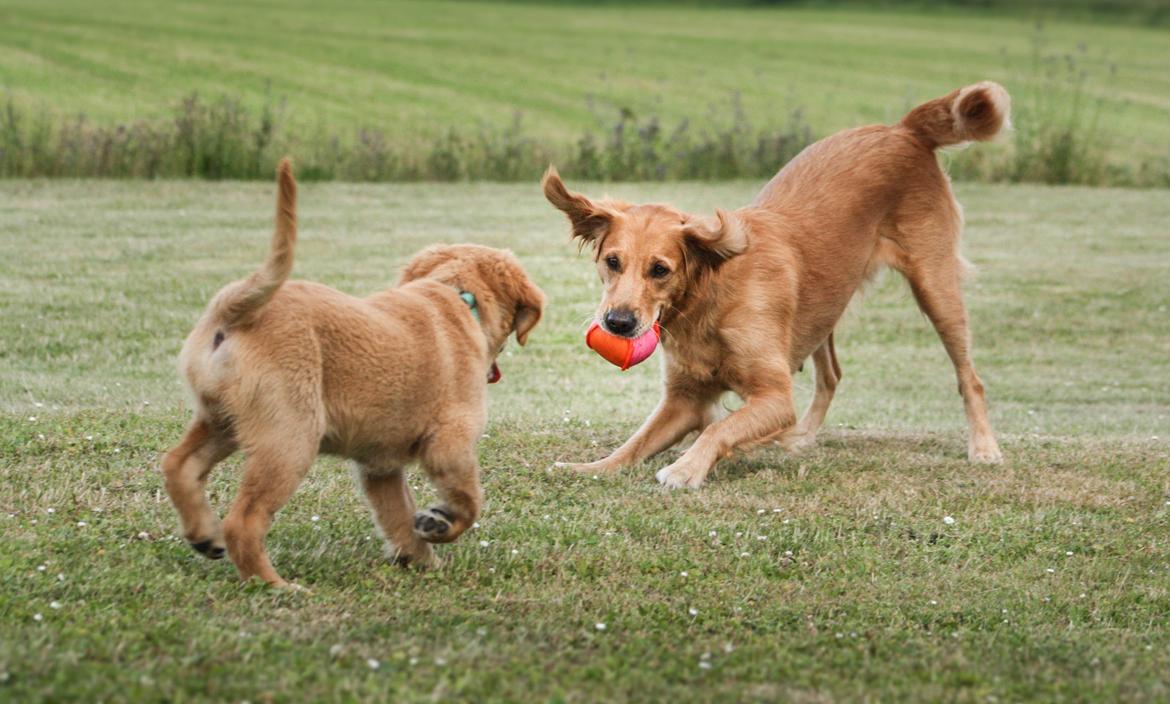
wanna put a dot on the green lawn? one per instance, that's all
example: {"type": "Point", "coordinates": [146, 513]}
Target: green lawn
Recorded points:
{"type": "Point", "coordinates": [829, 576]}
{"type": "Point", "coordinates": [415, 69]}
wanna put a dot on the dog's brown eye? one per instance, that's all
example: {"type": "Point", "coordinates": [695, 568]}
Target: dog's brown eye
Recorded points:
{"type": "Point", "coordinates": [613, 263]}
{"type": "Point", "coordinates": [658, 271]}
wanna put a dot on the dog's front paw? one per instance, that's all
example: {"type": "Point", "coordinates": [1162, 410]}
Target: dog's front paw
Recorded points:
{"type": "Point", "coordinates": [796, 442]}
{"type": "Point", "coordinates": [434, 525]}
{"type": "Point", "coordinates": [681, 475]}
{"type": "Point", "coordinates": [599, 467]}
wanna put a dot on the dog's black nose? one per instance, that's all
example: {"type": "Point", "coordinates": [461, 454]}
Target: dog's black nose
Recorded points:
{"type": "Point", "coordinates": [620, 321]}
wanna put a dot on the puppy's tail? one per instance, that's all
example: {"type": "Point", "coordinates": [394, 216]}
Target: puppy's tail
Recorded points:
{"type": "Point", "coordinates": [977, 112]}
{"type": "Point", "coordinates": [239, 304]}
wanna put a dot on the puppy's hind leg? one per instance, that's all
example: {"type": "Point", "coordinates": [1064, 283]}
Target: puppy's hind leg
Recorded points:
{"type": "Point", "coordinates": [272, 473]}
{"type": "Point", "coordinates": [936, 287]}
{"type": "Point", "coordinates": [185, 468]}
{"type": "Point", "coordinates": [393, 509]}
{"type": "Point", "coordinates": [449, 459]}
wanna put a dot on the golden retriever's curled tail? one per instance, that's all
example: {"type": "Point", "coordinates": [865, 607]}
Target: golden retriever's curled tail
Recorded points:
{"type": "Point", "coordinates": [238, 304]}
{"type": "Point", "coordinates": [975, 113]}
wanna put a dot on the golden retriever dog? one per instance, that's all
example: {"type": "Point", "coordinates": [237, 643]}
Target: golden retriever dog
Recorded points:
{"type": "Point", "coordinates": [745, 298]}
{"type": "Point", "coordinates": [285, 370]}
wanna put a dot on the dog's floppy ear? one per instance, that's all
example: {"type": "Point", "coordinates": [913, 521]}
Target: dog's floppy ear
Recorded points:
{"type": "Point", "coordinates": [716, 240]}
{"type": "Point", "coordinates": [590, 222]}
{"type": "Point", "coordinates": [529, 309]}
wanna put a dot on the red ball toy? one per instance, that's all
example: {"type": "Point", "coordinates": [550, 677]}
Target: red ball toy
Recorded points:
{"type": "Point", "coordinates": [621, 351]}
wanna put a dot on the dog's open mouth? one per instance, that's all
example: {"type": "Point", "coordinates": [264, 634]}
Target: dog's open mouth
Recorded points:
{"type": "Point", "coordinates": [494, 374]}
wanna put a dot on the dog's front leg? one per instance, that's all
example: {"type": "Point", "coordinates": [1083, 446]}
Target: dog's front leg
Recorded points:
{"type": "Point", "coordinates": [765, 413]}
{"type": "Point", "coordinates": [677, 415]}
{"type": "Point", "coordinates": [450, 461]}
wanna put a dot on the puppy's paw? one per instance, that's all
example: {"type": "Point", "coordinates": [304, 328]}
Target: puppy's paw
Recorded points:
{"type": "Point", "coordinates": [212, 549]}
{"type": "Point", "coordinates": [290, 587]}
{"type": "Point", "coordinates": [680, 475]}
{"type": "Point", "coordinates": [418, 554]}
{"type": "Point", "coordinates": [434, 525]}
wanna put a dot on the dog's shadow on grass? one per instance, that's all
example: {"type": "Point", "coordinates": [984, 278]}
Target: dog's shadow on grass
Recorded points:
{"type": "Point", "coordinates": [841, 452]}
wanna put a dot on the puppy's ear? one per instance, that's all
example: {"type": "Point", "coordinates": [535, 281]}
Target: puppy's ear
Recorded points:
{"type": "Point", "coordinates": [529, 309]}
{"type": "Point", "coordinates": [714, 241]}
{"type": "Point", "coordinates": [424, 263]}
{"type": "Point", "coordinates": [590, 222]}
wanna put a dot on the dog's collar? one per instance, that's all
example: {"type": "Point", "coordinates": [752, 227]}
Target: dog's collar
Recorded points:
{"type": "Point", "coordinates": [473, 305]}
{"type": "Point", "coordinates": [469, 298]}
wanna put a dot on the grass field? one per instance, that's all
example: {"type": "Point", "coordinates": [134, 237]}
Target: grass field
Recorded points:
{"type": "Point", "coordinates": [414, 70]}
{"type": "Point", "coordinates": [831, 576]}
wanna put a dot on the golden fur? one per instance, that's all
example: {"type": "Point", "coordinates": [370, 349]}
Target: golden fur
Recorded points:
{"type": "Point", "coordinates": [744, 298]}
{"type": "Point", "coordinates": [285, 370]}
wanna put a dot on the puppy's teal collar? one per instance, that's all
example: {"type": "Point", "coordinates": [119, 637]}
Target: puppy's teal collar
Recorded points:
{"type": "Point", "coordinates": [469, 298]}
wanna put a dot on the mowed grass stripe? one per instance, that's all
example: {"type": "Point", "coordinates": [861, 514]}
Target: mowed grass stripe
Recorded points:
{"type": "Point", "coordinates": [415, 69]}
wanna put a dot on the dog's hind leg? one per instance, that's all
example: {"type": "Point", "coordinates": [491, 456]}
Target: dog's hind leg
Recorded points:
{"type": "Point", "coordinates": [828, 373]}
{"type": "Point", "coordinates": [272, 472]}
{"type": "Point", "coordinates": [936, 285]}
{"type": "Point", "coordinates": [393, 509]}
{"type": "Point", "coordinates": [185, 468]}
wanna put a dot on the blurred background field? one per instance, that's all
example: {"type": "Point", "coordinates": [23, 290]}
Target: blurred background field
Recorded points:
{"type": "Point", "coordinates": [366, 90]}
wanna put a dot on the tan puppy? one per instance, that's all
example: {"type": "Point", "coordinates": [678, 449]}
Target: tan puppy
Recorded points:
{"type": "Point", "coordinates": [744, 298]}
{"type": "Point", "coordinates": [285, 371]}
